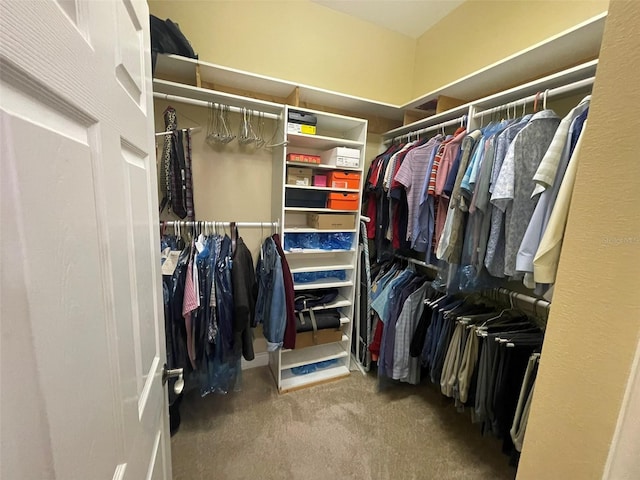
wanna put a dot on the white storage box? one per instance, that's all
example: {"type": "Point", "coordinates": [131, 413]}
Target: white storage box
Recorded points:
{"type": "Point", "coordinates": [342, 157]}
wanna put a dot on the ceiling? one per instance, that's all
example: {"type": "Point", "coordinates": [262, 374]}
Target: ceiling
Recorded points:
{"type": "Point", "coordinates": [409, 17]}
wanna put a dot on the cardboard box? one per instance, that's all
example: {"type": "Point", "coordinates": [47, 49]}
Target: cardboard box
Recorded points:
{"type": "Point", "coordinates": [326, 335]}
{"type": "Point", "coordinates": [344, 180]}
{"type": "Point", "coordinates": [303, 158]}
{"type": "Point", "coordinates": [342, 157]}
{"type": "Point", "coordinates": [344, 201]}
{"type": "Point", "coordinates": [301, 128]}
{"type": "Point", "coordinates": [331, 221]}
{"type": "Point", "coordinates": [299, 176]}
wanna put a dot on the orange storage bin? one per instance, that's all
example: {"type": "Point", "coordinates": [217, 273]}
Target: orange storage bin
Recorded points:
{"type": "Point", "coordinates": [344, 201]}
{"type": "Point", "coordinates": [344, 180]}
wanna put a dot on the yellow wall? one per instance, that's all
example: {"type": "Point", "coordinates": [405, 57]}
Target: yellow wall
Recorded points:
{"type": "Point", "coordinates": [593, 328]}
{"type": "Point", "coordinates": [481, 32]}
{"type": "Point", "coordinates": [351, 56]}
{"type": "Point", "coordinates": [299, 41]}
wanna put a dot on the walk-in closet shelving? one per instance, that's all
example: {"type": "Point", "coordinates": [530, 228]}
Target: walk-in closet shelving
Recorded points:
{"type": "Point", "coordinates": [336, 130]}
{"type": "Point", "coordinates": [332, 131]}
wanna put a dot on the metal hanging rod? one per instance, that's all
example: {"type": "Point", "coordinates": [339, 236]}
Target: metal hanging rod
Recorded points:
{"type": "Point", "coordinates": [416, 262]}
{"type": "Point", "coordinates": [192, 129]}
{"type": "Point", "coordinates": [568, 88]}
{"type": "Point", "coordinates": [187, 224]}
{"type": "Point", "coordinates": [203, 103]}
{"type": "Point", "coordinates": [461, 120]}
{"type": "Point", "coordinates": [536, 304]}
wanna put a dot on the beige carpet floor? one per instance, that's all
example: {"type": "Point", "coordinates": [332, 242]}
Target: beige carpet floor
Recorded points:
{"type": "Point", "coordinates": [346, 429]}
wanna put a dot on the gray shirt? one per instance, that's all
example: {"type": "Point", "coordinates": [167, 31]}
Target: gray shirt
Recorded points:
{"type": "Point", "coordinates": [513, 189]}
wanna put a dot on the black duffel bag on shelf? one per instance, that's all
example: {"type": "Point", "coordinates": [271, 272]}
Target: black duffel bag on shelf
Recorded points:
{"type": "Point", "coordinates": [309, 320]}
{"type": "Point", "coordinates": [315, 298]}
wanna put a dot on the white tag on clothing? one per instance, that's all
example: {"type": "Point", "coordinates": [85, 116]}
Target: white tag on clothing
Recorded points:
{"type": "Point", "coordinates": [170, 264]}
{"type": "Point", "coordinates": [200, 243]}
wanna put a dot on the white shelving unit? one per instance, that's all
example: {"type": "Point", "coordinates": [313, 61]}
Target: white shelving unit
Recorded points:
{"type": "Point", "coordinates": [332, 131]}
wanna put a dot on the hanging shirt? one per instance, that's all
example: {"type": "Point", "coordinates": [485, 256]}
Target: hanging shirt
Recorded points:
{"type": "Point", "coordinates": [494, 253]}
{"type": "Point", "coordinates": [512, 192]}
{"type": "Point", "coordinates": [465, 185]}
{"type": "Point", "coordinates": [405, 327]}
{"type": "Point", "coordinates": [189, 304]}
{"type": "Point", "coordinates": [546, 172]}
{"type": "Point", "coordinates": [546, 202]}
{"type": "Point", "coordinates": [423, 230]}
{"type": "Point", "coordinates": [450, 153]}
{"type": "Point", "coordinates": [450, 245]}
{"type": "Point", "coordinates": [480, 206]}
{"type": "Point", "coordinates": [545, 263]}
{"type": "Point", "coordinates": [411, 175]}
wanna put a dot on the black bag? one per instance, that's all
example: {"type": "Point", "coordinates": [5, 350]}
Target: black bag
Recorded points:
{"type": "Point", "coordinates": [317, 320]}
{"type": "Point", "coordinates": [166, 37]}
{"type": "Point", "coordinates": [315, 298]}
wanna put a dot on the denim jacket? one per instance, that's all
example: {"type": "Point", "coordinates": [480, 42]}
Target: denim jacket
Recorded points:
{"type": "Point", "coordinates": [270, 306]}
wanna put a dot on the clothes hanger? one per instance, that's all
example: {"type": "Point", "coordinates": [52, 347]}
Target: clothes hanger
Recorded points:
{"type": "Point", "coordinates": [180, 114]}
{"type": "Point", "coordinates": [544, 101]}
{"type": "Point", "coordinates": [535, 102]}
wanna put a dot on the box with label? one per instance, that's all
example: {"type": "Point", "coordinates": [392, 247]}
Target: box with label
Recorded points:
{"type": "Point", "coordinates": [344, 180]}
{"type": "Point", "coordinates": [331, 221]}
{"type": "Point", "coordinates": [299, 176]}
{"type": "Point", "coordinates": [342, 157]}
{"type": "Point", "coordinates": [301, 128]}
{"type": "Point", "coordinates": [319, 180]}
{"type": "Point", "coordinates": [303, 158]}
{"type": "Point", "coordinates": [344, 201]}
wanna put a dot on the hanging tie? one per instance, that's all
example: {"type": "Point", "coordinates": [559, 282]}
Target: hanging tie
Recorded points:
{"type": "Point", "coordinates": [170, 122]}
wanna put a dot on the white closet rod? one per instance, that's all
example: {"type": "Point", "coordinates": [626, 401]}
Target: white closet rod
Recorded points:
{"type": "Point", "coordinates": [187, 224]}
{"type": "Point", "coordinates": [570, 87]}
{"type": "Point", "coordinates": [203, 103]}
{"type": "Point", "coordinates": [192, 129]}
{"type": "Point", "coordinates": [430, 128]}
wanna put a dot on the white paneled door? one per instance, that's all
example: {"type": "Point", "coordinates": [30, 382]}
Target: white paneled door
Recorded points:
{"type": "Point", "coordinates": [82, 334]}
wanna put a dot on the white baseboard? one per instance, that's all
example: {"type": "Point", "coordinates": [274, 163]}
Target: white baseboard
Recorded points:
{"type": "Point", "coordinates": [261, 360]}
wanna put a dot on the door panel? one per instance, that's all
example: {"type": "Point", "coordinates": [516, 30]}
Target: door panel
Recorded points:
{"type": "Point", "coordinates": [81, 393]}
{"type": "Point", "coordinates": [129, 61]}
{"type": "Point", "coordinates": [64, 314]}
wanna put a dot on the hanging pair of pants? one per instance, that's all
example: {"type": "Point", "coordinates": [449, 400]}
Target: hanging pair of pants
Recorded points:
{"type": "Point", "coordinates": [452, 361]}
{"type": "Point", "coordinates": [468, 364]}
{"type": "Point", "coordinates": [521, 417]}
